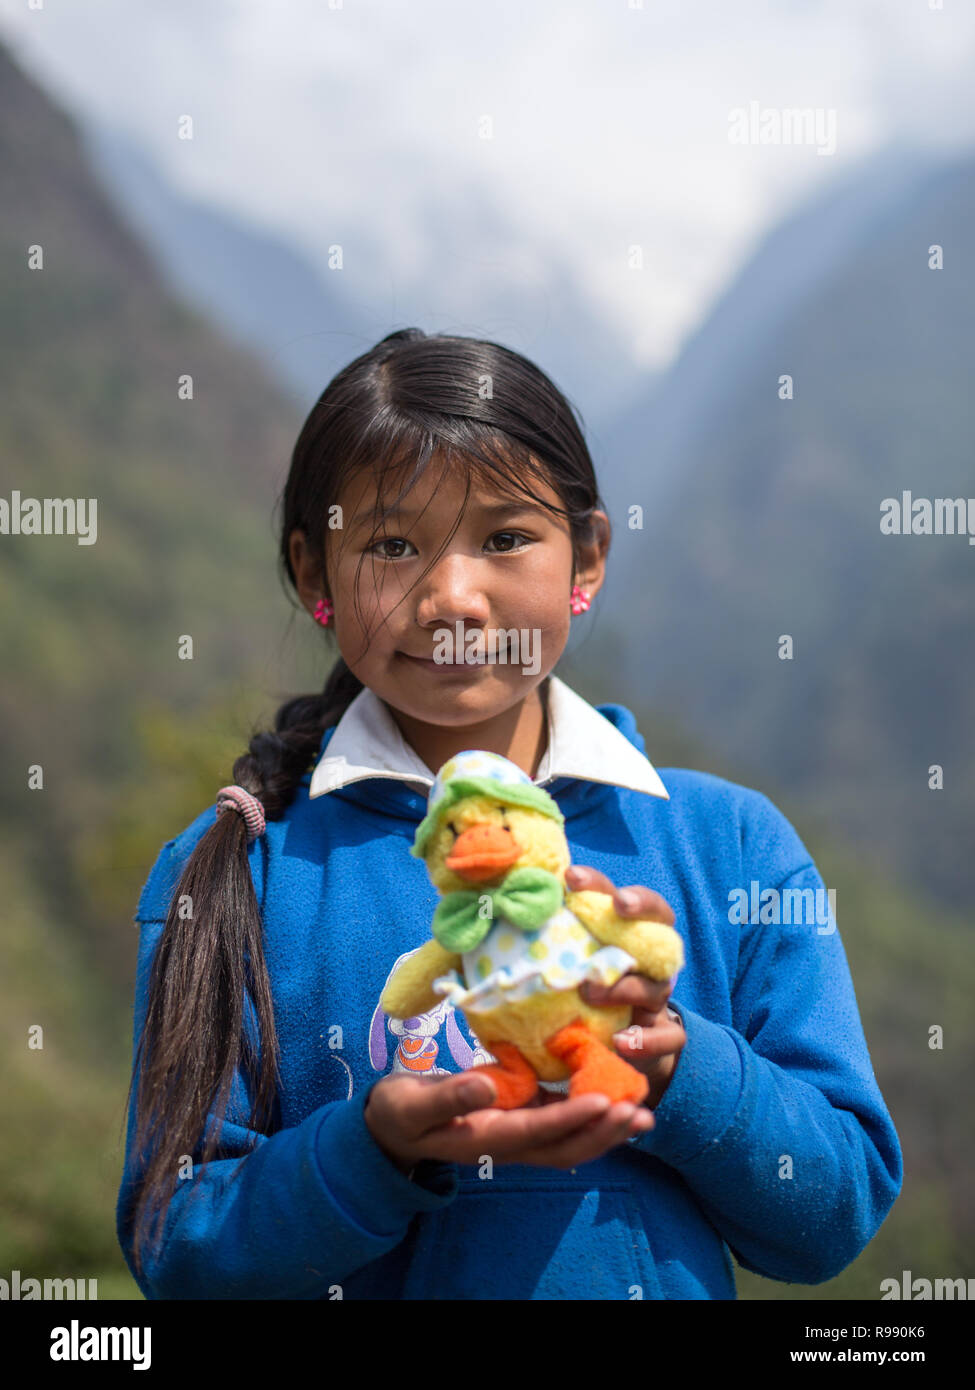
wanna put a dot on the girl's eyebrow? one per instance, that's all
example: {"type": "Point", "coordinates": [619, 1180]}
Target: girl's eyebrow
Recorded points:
{"type": "Point", "coordinates": [493, 510]}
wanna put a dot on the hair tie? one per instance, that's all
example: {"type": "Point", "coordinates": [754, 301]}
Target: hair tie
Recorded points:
{"type": "Point", "coordinates": [239, 799]}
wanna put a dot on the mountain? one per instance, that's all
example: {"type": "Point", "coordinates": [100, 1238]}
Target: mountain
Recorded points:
{"type": "Point", "coordinates": [92, 350]}
{"type": "Point", "coordinates": [259, 290]}
{"type": "Point", "coordinates": [132, 741]}
{"type": "Point", "coordinates": [772, 528]}
{"type": "Point", "coordinates": [476, 276]}
{"type": "Point", "coordinates": [654, 437]}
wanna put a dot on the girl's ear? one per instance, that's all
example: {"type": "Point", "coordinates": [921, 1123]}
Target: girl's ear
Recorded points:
{"type": "Point", "coordinates": [307, 568]}
{"type": "Point", "coordinates": [590, 570]}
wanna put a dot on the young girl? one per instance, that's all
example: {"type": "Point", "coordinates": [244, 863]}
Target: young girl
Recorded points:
{"type": "Point", "coordinates": [287, 1139]}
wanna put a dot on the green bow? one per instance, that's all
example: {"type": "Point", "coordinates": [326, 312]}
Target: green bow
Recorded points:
{"type": "Point", "coordinates": [526, 898]}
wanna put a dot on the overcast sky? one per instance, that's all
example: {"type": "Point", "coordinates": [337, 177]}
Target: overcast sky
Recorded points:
{"type": "Point", "coordinates": [360, 123]}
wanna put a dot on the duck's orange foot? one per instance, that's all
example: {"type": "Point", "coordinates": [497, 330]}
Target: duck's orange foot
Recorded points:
{"type": "Point", "coordinates": [594, 1067]}
{"type": "Point", "coordinates": [514, 1080]}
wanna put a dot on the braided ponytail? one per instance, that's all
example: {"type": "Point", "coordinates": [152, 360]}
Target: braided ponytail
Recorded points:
{"type": "Point", "coordinates": [193, 1039]}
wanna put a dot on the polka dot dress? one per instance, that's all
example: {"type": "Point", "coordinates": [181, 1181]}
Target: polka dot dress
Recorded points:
{"type": "Point", "coordinates": [510, 964]}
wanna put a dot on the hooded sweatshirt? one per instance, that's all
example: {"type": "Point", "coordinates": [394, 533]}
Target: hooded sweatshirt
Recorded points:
{"type": "Point", "coordinates": [772, 1142]}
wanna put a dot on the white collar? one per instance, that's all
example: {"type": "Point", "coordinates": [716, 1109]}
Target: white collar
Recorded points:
{"type": "Point", "coordinates": [582, 743]}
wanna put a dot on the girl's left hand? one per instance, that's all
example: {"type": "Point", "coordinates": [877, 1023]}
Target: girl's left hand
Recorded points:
{"type": "Point", "coordinates": [654, 1040]}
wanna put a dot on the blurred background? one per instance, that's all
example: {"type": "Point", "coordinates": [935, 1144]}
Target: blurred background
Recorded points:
{"type": "Point", "coordinates": [562, 178]}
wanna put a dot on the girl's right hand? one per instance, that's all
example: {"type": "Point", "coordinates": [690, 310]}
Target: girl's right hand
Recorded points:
{"type": "Point", "coordinates": [413, 1117]}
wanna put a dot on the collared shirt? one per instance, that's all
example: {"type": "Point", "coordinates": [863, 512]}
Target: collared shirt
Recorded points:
{"type": "Point", "coordinates": [582, 743]}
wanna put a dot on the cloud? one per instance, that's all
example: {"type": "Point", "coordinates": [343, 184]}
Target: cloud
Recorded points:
{"type": "Point", "coordinates": [363, 125]}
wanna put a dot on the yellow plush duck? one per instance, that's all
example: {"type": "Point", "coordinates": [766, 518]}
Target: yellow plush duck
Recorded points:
{"type": "Point", "coordinates": [511, 945]}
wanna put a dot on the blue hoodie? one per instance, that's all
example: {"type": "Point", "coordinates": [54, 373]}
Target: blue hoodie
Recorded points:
{"type": "Point", "coordinates": [772, 1140]}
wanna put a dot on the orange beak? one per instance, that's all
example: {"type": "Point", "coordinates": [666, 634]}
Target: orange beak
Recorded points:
{"type": "Point", "coordinates": [483, 851]}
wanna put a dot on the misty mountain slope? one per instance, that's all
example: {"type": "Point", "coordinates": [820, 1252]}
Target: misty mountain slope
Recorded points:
{"type": "Point", "coordinates": [654, 439]}
{"type": "Point", "coordinates": [473, 275]}
{"type": "Point", "coordinates": [250, 283]}
{"type": "Point", "coordinates": [92, 348]}
{"type": "Point", "coordinates": [775, 529]}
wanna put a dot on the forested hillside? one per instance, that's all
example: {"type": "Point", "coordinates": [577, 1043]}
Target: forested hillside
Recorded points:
{"type": "Point", "coordinates": [133, 742]}
{"type": "Point", "coordinates": [772, 529]}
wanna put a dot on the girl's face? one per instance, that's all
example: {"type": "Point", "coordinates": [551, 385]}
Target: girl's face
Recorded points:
{"type": "Point", "coordinates": [507, 566]}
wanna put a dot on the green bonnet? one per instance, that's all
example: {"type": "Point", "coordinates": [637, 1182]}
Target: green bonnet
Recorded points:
{"type": "Point", "coordinates": [477, 773]}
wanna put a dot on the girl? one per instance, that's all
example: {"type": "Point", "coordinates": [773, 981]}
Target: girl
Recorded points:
{"type": "Point", "coordinates": [287, 1139]}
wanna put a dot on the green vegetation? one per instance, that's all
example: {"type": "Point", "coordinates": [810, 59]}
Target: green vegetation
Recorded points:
{"type": "Point", "coordinates": [134, 742]}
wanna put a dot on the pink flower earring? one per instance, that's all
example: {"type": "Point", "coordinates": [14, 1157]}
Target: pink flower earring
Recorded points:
{"type": "Point", "coordinates": [323, 611]}
{"type": "Point", "coordinates": [579, 599]}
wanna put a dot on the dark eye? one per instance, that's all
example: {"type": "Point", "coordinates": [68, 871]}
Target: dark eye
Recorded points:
{"type": "Point", "coordinates": [519, 539]}
{"type": "Point", "coordinates": [388, 540]}
{"type": "Point", "coordinates": [451, 826]}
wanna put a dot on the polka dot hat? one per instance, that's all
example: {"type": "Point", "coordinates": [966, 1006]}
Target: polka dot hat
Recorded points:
{"type": "Point", "coordinates": [478, 773]}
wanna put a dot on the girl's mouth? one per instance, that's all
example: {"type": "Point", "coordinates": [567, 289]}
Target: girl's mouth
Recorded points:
{"type": "Point", "coordinates": [428, 663]}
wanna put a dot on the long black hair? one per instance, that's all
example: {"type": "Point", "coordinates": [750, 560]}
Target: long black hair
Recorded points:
{"type": "Point", "coordinates": [390, 411]}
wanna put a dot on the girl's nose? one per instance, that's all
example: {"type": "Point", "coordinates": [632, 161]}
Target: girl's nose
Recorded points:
{"type": "Point", "coordinates": [453, 591]}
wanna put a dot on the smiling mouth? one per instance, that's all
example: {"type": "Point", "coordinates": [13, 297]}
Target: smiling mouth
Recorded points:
{"type": "Point", "coordinates": [429, 661]}
{"type": "Point", "coordinates": [501, 659]}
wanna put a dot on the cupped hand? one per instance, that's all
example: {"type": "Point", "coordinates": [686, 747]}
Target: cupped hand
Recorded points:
{"type": "Point", "coordinates": [654, 1040]}
{"type": "Point", "coordinates": [452, 1118]}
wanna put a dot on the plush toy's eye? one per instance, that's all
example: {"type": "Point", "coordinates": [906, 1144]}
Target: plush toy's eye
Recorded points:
{"type": "Point", "coordinates": [504, 823]}
{"type": "Point", "coordinates": [451, 826]}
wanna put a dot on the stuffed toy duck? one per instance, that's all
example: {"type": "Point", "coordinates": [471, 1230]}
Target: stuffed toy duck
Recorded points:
{"type": "Point", "coordinates": [511, 944]}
